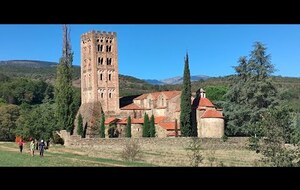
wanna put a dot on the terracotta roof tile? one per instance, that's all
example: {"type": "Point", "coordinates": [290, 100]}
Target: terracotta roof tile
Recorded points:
{"type": "Point", "coordinates": [137, 120]}
{"type": "Point", "coordinates": [168, 125]}
{"type": "Point", "coordinates": [171, 94]}
{"type": "Point", "coordinates": [159, 119]}
{"type": "Point", "coordinates": [205, 102]}
{"type": "Point", "coordinates": [122, 121]}
{"type": "Point", "coordinates": [141, 97]}
{"type": "Point", "coordinates": [212, 114]}
{"type": "Point", "coordinates": [132, 106]}
{"type": "Point", "coordinates": [110, 120]}
{"type": "Point", "coordinates": [155, 95]}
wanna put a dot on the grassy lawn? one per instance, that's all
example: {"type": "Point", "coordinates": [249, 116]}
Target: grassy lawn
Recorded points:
{"type": "Point", "coordinates": [10, 156]}
{"type": "Point", "coordinates": [110, 155]}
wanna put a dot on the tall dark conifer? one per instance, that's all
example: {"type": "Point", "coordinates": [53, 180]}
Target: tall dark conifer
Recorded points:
{"type": "Point", "coordinates": [146, 126]}
{"type": "Point", "coordinates": [65, 106]}
{"type": "Point", "coordinates": [185, 104]}
{"type": "Point", "coordinates": [152, 126]}
{"type": "Point", "coordinates": [128, 127]}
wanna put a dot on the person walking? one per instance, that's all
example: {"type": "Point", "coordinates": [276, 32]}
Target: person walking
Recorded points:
{"type": "Point", "coordinates": [32, 147]}
{"type": "Point", "coordinates": [21, 144]}
{"type": "Point", "coordinates": [42, 148]}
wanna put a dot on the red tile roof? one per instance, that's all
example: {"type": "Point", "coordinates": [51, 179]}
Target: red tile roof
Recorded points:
{"type": "Point", "coordinates": [155, 95]}
{"type": "Point", "coordinates": [137, 120]}
{"type": "Point", "coordinates": [159, 119]}
{"type": "Point", "coordinates": [168, 125]}
{"type": "Point", "coordinates": [141, 97]}
{"type": "Point", "coordinates": [132, 106]}
{"type": "Point", "coordinates": [212, 114]}
{"type": "Point", "coordinates": [110, 120]}
{"type": "Point", "coordinates": [122, 121]}
{"type": "Point", "coordinates": [171, 94]}
{"type": "Point", "coordinates": [205, 102]}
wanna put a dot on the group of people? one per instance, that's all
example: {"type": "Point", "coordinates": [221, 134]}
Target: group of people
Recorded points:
{"type": "Point", "coordinates": [34, 146]}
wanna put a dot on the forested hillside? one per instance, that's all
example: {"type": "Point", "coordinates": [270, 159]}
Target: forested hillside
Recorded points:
{"type": "Point", "coordinates": [289, 87]}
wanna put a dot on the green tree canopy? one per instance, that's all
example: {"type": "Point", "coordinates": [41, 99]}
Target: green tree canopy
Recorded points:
{"type": "Point", "coordinates": [250, 94]}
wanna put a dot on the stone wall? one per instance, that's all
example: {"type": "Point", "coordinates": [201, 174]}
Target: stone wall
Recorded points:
{"type": "Point", "coordinates": [77, 141]}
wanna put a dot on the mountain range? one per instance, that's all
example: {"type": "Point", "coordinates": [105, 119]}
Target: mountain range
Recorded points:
{"type": "Point", "coordinates": [175, 80]}
{"type": "Point", "coordinates": [35, 64]}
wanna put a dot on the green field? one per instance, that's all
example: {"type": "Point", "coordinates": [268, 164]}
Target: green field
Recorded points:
{"type": "Point", "coordinates": [55, 156]}
{"type": "Point", "coordinates": [152, 155]}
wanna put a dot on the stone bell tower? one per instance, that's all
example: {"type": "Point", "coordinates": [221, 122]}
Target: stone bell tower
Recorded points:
{"type": "Point", "coordinates": [99, 70]}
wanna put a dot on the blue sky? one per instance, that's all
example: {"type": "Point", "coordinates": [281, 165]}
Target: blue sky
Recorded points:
{"type": "Point", "coordinates": [150, 51]}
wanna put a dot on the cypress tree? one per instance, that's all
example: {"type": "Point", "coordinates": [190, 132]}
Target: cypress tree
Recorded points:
{"type": "Point", "coordinates": [65, 106]}
{"type": "Point", "coordinates": [80, 126]}
{"type": "Point", "coordinates": [128, 127]}
{"type": "Point", "coordinates": [152, 127]}
{"type": "Point", "coordinates": [146, 126]}
{"type": "Point", "coordinates": [185, 104]}
{"type": "Point", "coordinates": [102, 126]}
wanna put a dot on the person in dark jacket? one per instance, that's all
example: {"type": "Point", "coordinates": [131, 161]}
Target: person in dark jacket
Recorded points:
{"type": "Point", "coordinates": [42, 148]}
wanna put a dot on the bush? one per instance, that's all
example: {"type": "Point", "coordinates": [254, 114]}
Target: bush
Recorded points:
{"type": "Point", "coordinates": [194, 154]}
{"type": "Point", "coordinates": [131, 151]}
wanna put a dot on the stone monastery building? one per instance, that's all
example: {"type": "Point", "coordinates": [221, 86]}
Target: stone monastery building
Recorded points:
{"type": "Point", "coordinates": [100, 93]}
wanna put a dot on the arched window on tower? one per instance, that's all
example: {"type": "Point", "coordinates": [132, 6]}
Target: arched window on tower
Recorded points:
{"type": "Point", "coordinates": [101, 48]}
{"type": "Point", "coordinates": [101, 76]}
{"type": "Point", "coordinates": [101, 94]}
{"type": "Point", "coordinates": [109, 77]}
{"type": "Point", "coordinates": [98, 47]}
{"type": "Point", "coordinates": [109, 95]}
{"type": "Point", "coordinates": [108, 61]}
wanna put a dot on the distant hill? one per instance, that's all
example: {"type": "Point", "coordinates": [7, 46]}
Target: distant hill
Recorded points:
{"type": "Point", "coordinates": [46, 71]}
{"type": "Point", "coordinates": [154, 81]}
{"type": "Point", "coordinates": [28, 63]}
{"type": "Point", "coordinates": [175, 80]}
{"type": "Point", "coordinates": [43, 70]}
{"type": "Point", "coordinates": [129, 86]}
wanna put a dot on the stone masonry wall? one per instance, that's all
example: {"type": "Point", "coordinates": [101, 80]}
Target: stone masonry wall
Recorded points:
{"type": "Point", "coordinates": [77, 141]}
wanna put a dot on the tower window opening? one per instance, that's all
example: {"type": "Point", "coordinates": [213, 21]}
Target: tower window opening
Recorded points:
{"type": "Point", "coordinates": [109, 95]}
{"type": "Point", "coordinates": [97, 40]}
{"type": "Point", "coordinates": [108, 61]}
{"type": "Point", "coordinates": [102, 95]}
{"type": "Point", "coordinates": [98, 47]}
{"type": "Point", "coordinates": [101, 76]}
{"type": "Point", "coordinates": [101, 40]}
{"type": "Point", "coordinates": [109, 77]}
{"type": "Point", "coordinates": [110, 41]}
{"type": "Point", "coordinates": [101, 48]}
{"type": "Point", "coordinates": [106, 41]}
{"type": "Point", "coordinates": [109, 49]}
{"type": "Point", "coordinates": [101, 61]}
